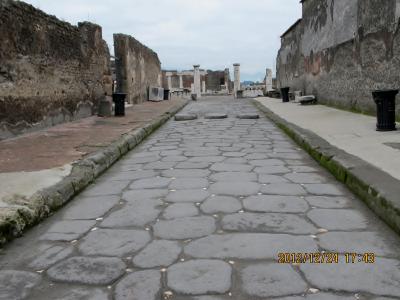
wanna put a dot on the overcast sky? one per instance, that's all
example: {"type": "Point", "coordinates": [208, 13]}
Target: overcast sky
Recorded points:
{"type": "Point", "coordinates": [212, 33]}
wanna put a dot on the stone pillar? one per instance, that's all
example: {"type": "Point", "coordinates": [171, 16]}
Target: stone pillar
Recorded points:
{"type": "Point", "coordinates": [236, 84]}
{"type": "Point", "coordinates": [203, 86]}
{"type": "Point", "coordinates": [180, 81]}
{"type": "Point", "coordinates": [169, 78]}
{"type": "Point", "coordinates": [268, 80]}
{"type": "Point", "coordinates": [196, 79]}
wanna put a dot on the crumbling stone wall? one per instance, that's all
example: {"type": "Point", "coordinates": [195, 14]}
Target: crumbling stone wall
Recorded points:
{"type": "Point", "coordinates": [137, 68]}
{"type": "Point", "coordinates": [50, 71]}
{"type": "Point", "coordinates": [342, 50]}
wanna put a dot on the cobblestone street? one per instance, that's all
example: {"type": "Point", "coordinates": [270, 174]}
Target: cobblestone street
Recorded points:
{"type": "Point", "coordinates": [200, 211]}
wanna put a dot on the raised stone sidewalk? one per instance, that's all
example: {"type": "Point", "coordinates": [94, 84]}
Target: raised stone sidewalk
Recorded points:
{"type": "Point", "coordinates": [348, 145]}
{"type": "Point", "coordinates": [200, 211]}
{"type": "Point", "coordinates": [41, 171]}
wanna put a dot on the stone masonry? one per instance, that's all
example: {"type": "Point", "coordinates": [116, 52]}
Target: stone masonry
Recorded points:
{"type": "Point", "coordinates": [342, 50]}
{"type": "Point", "coordinates": [50, 72]}
{"type": "Point", "coordinates": [200, 211]}
{"type": "Point", "coordinates": [137, 68]}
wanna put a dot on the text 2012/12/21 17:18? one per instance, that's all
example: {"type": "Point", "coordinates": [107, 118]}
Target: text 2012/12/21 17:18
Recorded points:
{"type": "Point", "coordinates": [325, 258]}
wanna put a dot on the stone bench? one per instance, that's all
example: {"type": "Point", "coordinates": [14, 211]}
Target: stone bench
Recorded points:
{"type": "Point", "coordinates": [308, 100]}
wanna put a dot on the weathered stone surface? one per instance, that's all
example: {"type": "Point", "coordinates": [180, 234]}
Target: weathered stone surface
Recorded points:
{"type": "Point", "coordinates": [249, 245]}
{"type": "Point", "coordinates": [134, 160]}
{"type": "Point", "coordinates": [303, 169]}
{"type": "Point", "coordinates": [272, 203]}
{"type": "Point", "coordinates": [234, 176]}
{"type": "Point", "coordinates": [328, 202]}
{"type": "Point", "coordinates": [135, 195]}
{"type": "Point", "coordinates": [266, 162]}
{"type": "Point", "coordinates": [188, 183]}
{"type": "Point", "coordinates": [158, 253]}
{"type": "Point", "coordinates": [90, 208]}
{"type": "Point", "coordinates": [76, 293]}
{"type": "Point", "coordinates": [176, 158]}
{"type": "Point", "coordinates": [50, 256]}
{"type": "Point", "coordinates": [325, 296]}
{"type": "Point", "coordinates": [323, 189]}
{"type": "Point", "coordinates": [222, 167]}
{"type": "Point", "coordinates": [186, 173]}
{"type": "Point", "coordinates": [272, 280]}
{"type": "Point", "coordinates": [208, 152]}
{"type": "Point", "coordinates": [209, 159]}
{"type": "Point", "coordinates": [200, 277]}
{"type": "Point", "coordinates": [272, 170]}
{"type": "Point", "coordinates": [283, 189]}
{"type": "Point", "coordinates": [266, 178]}
{"type": "Point", "coordinates": [134, 213]}
{"type": "Point", "coordinates": [380, 278]}
{"type": "Point", "coordinates": [88, 270]}
{"type": "Point", "coordinates": [187, 196]}
{"type": "Point", "coordinates": [17, 284]}
{"type": "Point", "coordinates": [221, 204]}
{"type": "Point", "coordinates": [359, 242]}
{"type": "Point", "coordinates": [67, 230]}
{"type": "Point", "coordinates": [142, 285]}
{"type": "Point", "coordinates": [159, 165]}
{"type": "Point", "coordinates": [305, 178]}
{"type": "Point", "coordinates": [105, 188]}
{"type": "Point", "coordinates": [216, 116]}
{"type": "Point", "coordinates": [129, 175]}
{"type": "Point", "coordinates": [234, 154]}
{"type": "Point", "coordinates": [338, 219]}
{"type": "Point", "coordinates": [150, 183]}
{"type": "Point", "coordinates": [235, 188]}
{"type": "Point", "coordinates": [248, 116]}
{"type": "Point", "coordinates": [185, 228]}
{"type": "Point", "coordinates": [179, 210]}
{"type": "Point", "coordinates": [60, 292]}
{"type": "Point", "coordinates": [185, 117]}
{"type": "Point", "coordinates": [271, 222]}
{"type": "Point", "coordinates": [192, 165]}
{"type": "Point", "coordinates": [110, 242]}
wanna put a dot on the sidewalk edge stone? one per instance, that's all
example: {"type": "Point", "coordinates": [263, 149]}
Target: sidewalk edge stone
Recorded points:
{"type": "Point", "coordinates": [377, 189]}
{"type": "Point", "coordinates": [15, 220]}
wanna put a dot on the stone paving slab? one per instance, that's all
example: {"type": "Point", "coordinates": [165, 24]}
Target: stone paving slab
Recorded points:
{"type": "Point", "coordinates": [201, 210]}
{"type": "Point", "coordinates": [351, 158]}
{"type": "Point", "coordinates": [41, 171]}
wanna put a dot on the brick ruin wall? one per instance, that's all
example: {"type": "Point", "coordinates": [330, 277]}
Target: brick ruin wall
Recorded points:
{"type": "Point", "coordinates": [342, 50]}
{"type": "Point", "coordinates": [137, 68]}
{"type": "Point", "coordinates": [50, 71]}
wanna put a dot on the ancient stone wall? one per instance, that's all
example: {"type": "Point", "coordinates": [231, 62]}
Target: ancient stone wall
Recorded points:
{"type": "Point", "coordinates": [214, 80]}
{"type": "Point", "coordinates": [137, 68]}
{"type": "Point", "coordinates": [342, 50]}
{"type": "Point", "coordinates": [50, 71]}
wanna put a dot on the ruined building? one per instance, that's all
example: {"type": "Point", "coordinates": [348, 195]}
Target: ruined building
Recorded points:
{"type": "Point", "coordinates": [137, 68]}
{"type": "Point", "coordinates": [211, 81]}
{"type": "Point", "coordinates": [50, 71]}
{"type": "Point", "coordinates": [341, 51]}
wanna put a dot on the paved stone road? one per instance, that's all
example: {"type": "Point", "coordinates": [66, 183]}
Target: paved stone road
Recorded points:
{"type": "Point", "coordinates": [200, 211]}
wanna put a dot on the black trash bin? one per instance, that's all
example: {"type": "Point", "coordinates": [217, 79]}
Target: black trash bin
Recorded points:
{"type": "Point", "coordinates": [166, 94]}
{"type": "Point", "coordinates": [119, 100]}
{"type": "Point", "coordinates": [285, 94]}
{"type": "Point", "coordinates": [385, 109]}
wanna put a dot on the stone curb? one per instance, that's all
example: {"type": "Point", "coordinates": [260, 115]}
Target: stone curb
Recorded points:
{"type": "Point", "coordinates": [26, 213]}
{"type": "Point", "coordinates": [379, 190]}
